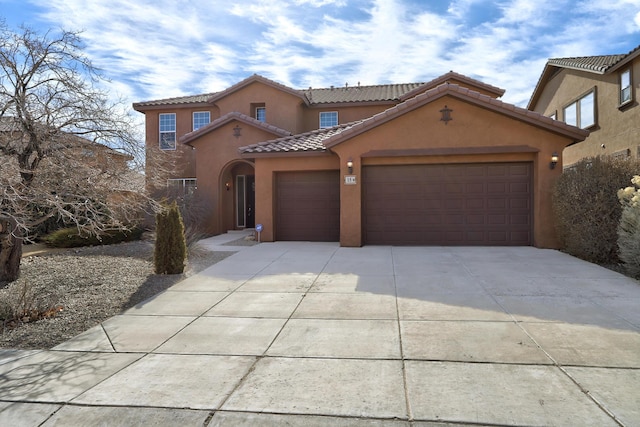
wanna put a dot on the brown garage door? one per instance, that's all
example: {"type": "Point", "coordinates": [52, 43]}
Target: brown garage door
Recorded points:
{"type": "Point", "coordinates": [465, 204]}
{"type": "Point", "coordinates": [308, 206]}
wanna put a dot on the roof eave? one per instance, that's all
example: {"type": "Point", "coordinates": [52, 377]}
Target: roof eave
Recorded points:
{"type": "Point", "coordinates": [301, 153]}
{"type": "Point", "coordinates": [320, 105]}
{"type": "Point", "coordinates": [141, 108]}
{"type": "Point", "coordinates": [547, 72]}
{"type": "Point", "coordinates": [192, 136]}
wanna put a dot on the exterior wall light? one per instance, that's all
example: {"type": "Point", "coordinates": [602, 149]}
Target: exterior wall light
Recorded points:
{"type": "Point", "coordinates": [350, 165]}
{"type": "Point", "coordinates": [554, 160]}
{"type": "Point", "coordinates": [227, 185]}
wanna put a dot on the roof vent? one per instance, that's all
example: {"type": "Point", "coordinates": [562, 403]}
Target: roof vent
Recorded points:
{"type": "Point", "coordinates": [331, 87]}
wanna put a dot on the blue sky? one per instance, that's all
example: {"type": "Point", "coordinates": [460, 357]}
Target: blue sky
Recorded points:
{"type": "Point", "coordinates": [161, 48]}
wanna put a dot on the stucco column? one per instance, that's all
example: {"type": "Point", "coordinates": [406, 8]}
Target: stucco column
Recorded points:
{"type": "Point", "coordinates": [350, 201]}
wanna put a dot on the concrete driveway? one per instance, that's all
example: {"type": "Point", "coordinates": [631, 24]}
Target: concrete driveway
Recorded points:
{"type": "Point", "coordinates": [308, 334]}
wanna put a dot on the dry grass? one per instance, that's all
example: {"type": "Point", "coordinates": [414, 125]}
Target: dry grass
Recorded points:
{"type": "Point", "coordinates": [84, 286]}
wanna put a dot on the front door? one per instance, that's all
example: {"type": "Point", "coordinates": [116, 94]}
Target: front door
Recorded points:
{"type": "Point", "coordinates": [245, 201]}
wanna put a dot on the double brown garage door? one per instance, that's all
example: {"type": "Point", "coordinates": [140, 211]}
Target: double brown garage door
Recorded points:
{"type": "Point", "coordinates": [466, 204]}
{"type": "Point", "coordinates": [308, 206]}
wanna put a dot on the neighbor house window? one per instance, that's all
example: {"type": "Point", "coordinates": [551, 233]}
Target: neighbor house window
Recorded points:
{"type": "Point", "coordinates": [181, 186]}
{"type": "Point", "coordinates": [582, 112]}
{"type": "Point", "coordinates": [261, 114]}
{"type": "Point", "coordinates": [168, 131]}
{"type": "Point", "coordinates": [625, 87]}
{"type": "Point", "coordinates": [328, 119]}
{"type": "Point", "coordinates": [201, 118]}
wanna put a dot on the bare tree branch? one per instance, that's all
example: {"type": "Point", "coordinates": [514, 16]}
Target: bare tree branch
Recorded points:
{"type": "Point", "coordinates": [66, 148]}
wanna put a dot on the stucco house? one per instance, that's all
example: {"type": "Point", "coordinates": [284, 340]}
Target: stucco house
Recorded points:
{"type": "Point", "coordinates": [596, 93]}
{"type": "Point", "coordinates": [438, 163]}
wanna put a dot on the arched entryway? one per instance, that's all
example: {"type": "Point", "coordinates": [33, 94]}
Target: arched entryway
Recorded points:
{"type": "Point", "coordinates": [237, 196]}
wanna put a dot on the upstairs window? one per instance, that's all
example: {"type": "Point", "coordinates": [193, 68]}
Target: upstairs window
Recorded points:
{"type": "Point", "coordinates": [625, 87]}
{"type": "Point", "coordinates": [261, 114]}
{"type": "Point", "coordinates": [328, 119]}
{"type": "Point", "coordinates": [168, 131]}
{"type": "Point", "coordinates": [201, 118]}
{"type": "Point", "coordinates": [582, 112]}
{"type": "Point", "coordinates": [259, 111]}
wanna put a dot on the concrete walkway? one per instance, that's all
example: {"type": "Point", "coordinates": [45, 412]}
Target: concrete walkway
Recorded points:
{"type": "Point", "coordinates": [311, 334]}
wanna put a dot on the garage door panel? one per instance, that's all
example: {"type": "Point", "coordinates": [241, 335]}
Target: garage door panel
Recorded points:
{"type": "Point", "coordinates": [520, 170]}
{"type": "Point", "coordinates": [496, 187]}
{"type": "Point", "coordinates": [497, 219]}
{"type": "Point", "coordinates": [462, 204]}
{"type": "Point", "coordinates": [308, 206]}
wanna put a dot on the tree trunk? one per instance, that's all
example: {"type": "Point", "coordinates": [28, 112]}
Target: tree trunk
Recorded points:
{"type": "Point", "coordinates": [10, 251]}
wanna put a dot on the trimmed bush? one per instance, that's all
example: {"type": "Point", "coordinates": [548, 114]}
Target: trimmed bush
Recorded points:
{"type": "Point", "coordinates": [586, 208]}
{"type": "Point", "coordinates": [70, 238]}
{"type": "Point", "coordinates": [170, 250]}
{"type": "Point", "coordinates": [629, 228]}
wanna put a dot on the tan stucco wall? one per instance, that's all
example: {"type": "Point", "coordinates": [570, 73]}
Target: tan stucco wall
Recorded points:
{"type": "Point", "coordinates": [217, 161]}
{"type": "Point", "coordinates": [472, 126]}
{"type": "Point", "coordinates": [345, 114]}
{"type": "Point", "coordinates": [617, 128]}
{"type": "Point", "coordinates": [183, 157]}
{"type": "Point", "coordinates": [283, 109]}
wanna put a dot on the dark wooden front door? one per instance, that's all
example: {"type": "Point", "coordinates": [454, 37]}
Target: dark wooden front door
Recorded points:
{"type": "Point", "coordinates": [245, 201]}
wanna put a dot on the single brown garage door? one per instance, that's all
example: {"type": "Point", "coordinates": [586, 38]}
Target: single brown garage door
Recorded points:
{"type": "Point", "coordinates": [308, 206]}
{"type": "Point", "coordinates": [462, 204]}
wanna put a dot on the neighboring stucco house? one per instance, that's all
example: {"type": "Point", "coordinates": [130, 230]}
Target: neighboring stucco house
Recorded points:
{"type": "Point", "coordinates": [437, 163]}
{"type": "Point", "coordinates": [597, 93]}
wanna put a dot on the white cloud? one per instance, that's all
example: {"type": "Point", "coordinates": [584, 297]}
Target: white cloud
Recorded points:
{"type": "Point", "coordinates": [165, 48]}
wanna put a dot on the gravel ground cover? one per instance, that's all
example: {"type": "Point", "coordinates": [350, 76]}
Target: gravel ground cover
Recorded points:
{"type": "Point", "coordinates": [76, 289]}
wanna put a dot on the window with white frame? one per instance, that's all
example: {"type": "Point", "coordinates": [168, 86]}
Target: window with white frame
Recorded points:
{"type": "Point", "coordinates": [328, 119]}
{"type": "Point", "coordinates": [582, 112]}
{"type": "Point", "coordinates": [625, 87]}
{"type": "Point", "coordinates": [553, 116]}
{"type": "Point", "coordinates": [201, 118]}
{"type": "Point", "coordinates": [181, 186]}
{"type": "Point", "coordinates": [261, 114]}
{"type": "Point", "coordinates": [167, 131]}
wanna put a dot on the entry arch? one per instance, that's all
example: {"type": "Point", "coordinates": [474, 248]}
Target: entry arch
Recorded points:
{"type": "Point", "coordinates": [236, 190]}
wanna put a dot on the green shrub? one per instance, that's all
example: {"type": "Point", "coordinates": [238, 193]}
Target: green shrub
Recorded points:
{"type": "Point", "coordinates": [171, 249]}
{"type": "Point", "coordinates": [587, 211]}
{"type": "Point", "coordinates": [629, 228]}
{"type": "Point", "coordinates": [70, 238]}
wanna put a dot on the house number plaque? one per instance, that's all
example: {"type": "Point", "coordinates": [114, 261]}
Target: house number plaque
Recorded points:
{"type": "Point", "coordinates": [350, 180]}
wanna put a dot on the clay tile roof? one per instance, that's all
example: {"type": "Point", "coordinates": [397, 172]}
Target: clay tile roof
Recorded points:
{"type": "Point", "coordinates": [376, 93]}
{"type": "Point", "coordinates": [190, 99]}
{"type": "Point", "coordinates": [599, 64]}
{"type": "Point", "coordinates": [304, 142]}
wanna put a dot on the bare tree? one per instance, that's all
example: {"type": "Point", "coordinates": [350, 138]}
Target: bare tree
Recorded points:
{"type": "Point", "coordinates": [65, 147]}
